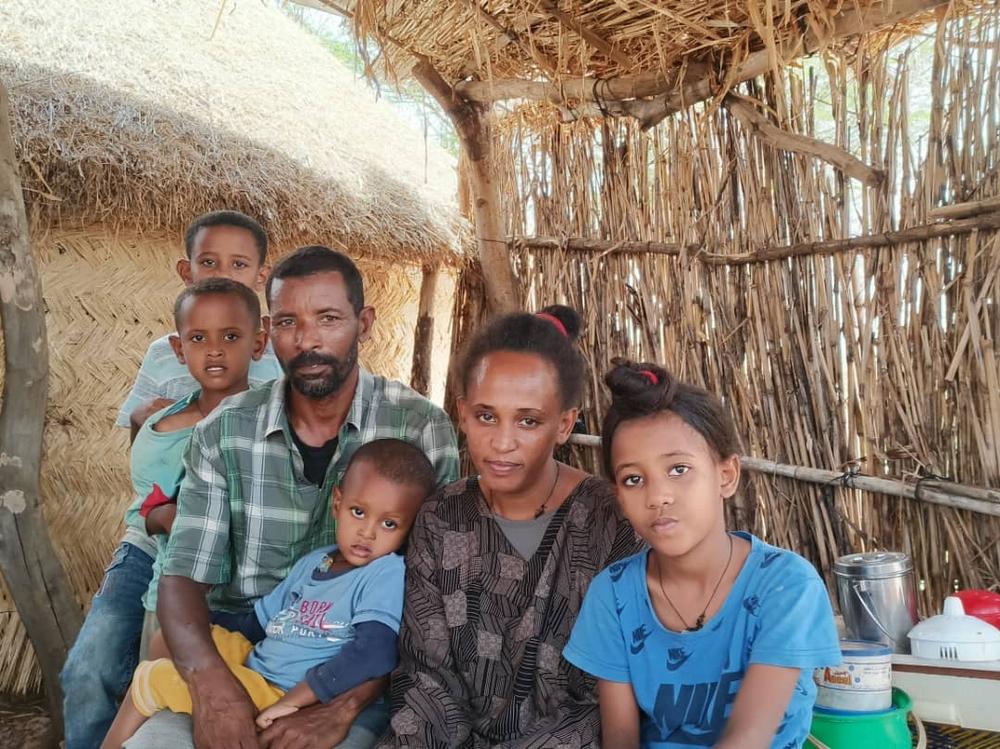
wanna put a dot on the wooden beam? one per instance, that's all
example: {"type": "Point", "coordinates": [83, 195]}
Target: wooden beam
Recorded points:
{"type": "Point", "coordinates": [593, 39]}
{"type": "Point", "coordinates": [923, 232]}
{"type": "Point", "coordinates": [41, 590]}
{"type": "Point", "coordinates": [989, 222]}
{"type": "Point", "coordinates": [963, 210]}
{"type": "Point", "coordinates": [676, 90]}
{"type": "Point", "coordinates": [472, 126]}
{"type": "Point", "coordinates": [956, 496]}
{"type": "Point", "coordinates": [574, 89]}
{"type": "Point", "coordinates": [773, 135]}
{"type": "Point", "coordinates": [423, 337]}
{"type": "Point", "coordinates": [580, 244]}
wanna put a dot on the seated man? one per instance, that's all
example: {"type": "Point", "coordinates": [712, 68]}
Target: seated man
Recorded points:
{"type": "Point", "coordinates": [259, 476]}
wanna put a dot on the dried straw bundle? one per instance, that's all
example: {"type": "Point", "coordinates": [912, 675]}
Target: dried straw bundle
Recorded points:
{"type": "Point", "coordinates": [572, 40]}
{"type": "Point", "coordinates": [140, 119]}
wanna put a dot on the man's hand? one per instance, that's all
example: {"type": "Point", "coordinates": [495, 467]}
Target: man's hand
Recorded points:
{"type": "Point", "coordinates": [322, 726]}
{"type": "Point", "coordinates": [223, 714]}
{"type": "Point", "coordinates": [316, 727]}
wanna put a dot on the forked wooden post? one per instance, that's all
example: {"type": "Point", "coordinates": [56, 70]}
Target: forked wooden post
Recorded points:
{"type": "Point", "coordinates": [42, 592]}
{"type": "Point", "coordinates": [423, 339]}
{"type": "Point", "coordinates": [471, 122]}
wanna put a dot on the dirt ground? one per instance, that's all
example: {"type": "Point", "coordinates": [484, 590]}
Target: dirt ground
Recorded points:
{"type": "Point", "coordinates": [24, 725]}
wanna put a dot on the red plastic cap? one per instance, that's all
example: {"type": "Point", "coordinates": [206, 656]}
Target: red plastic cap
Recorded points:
{"type": "Point", "coordinates": [982, 604]}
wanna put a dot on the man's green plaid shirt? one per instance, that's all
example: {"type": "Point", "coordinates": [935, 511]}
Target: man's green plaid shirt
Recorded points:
{"type": "Point", "coordinates": [246, 512]}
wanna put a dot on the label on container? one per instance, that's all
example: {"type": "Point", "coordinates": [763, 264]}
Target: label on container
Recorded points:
{"type": "Point", "coordinates": [862, 683]}
{"type": "Point", "coordinates": [863, 677]}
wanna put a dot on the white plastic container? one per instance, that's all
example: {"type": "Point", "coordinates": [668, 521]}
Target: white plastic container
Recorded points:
{"type": "Point", "coordinates": [952, 635]}
{"type": "Point", "coordinates": [862, 683]}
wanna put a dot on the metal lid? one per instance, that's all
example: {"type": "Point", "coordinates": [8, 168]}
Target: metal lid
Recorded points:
{"type": "Point", "coordinates": [873, 564]}
{"type": "Point", "coordinates": [861, 648]}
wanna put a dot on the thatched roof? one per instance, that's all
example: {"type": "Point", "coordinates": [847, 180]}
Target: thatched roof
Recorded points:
{"type": "Point", "coordinates": [141, 115]}
{"type": "Point", "coordinates": [598, 57]}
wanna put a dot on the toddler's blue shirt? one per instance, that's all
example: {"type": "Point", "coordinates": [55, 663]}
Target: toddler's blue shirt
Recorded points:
{"type": "Point", "coordinates": [310, 615]}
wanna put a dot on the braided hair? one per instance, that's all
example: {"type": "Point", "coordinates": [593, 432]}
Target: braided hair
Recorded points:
{"type": "Point", "coordinates": [645, 389]}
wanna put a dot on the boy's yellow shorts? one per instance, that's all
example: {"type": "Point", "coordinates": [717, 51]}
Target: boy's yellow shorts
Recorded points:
{"type": "Point", "coordinates": [157, 686]}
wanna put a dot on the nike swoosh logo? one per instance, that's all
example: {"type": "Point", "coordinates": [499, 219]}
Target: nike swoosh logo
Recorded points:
{"type": "Point", "coordinates": [673, 665]}
{"type": "Point", "coordinates": [769, 559]}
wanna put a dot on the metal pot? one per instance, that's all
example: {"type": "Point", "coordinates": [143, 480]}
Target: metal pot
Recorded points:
{"type": "Point", "coordinates": [878, 597]}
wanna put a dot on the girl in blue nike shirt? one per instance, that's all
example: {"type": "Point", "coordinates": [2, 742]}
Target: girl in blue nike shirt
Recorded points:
{"type": "Point", "coordinates": [709, 637]}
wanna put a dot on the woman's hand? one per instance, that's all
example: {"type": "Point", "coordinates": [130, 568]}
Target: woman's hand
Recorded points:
{"type": "Point", "coordinates": [759, 707]}
{"type": "Point", "coordinates": [619, 715]}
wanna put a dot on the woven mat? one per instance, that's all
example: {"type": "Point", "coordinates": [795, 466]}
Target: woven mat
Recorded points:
{"type": "Point", "coordinates": [953, 737]}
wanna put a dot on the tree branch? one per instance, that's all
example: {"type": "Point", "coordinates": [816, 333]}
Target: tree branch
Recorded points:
{"type": "Point", "coordinates": [617, 88]}
{"type": "Point", "coordinates": [798, 143]}
{"type": "Point", "coordinates": [40, 587]}
{"type": "Point", "coordinates": [471, 125]}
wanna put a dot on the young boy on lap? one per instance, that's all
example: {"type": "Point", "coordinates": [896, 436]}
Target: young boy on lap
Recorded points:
{"type": "Point", "coordinates": [331, 624]}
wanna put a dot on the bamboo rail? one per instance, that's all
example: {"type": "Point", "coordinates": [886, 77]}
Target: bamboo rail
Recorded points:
{"type": "Point", "coordinates": [974, 499]}
{"type": "Point", "coordinates": [963, 210]}
{"type": "Point", "coordinates": [987, 222]}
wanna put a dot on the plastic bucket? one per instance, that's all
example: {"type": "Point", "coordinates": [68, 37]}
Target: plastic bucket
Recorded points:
{"type": "Point", "coordinates": [885, 730]}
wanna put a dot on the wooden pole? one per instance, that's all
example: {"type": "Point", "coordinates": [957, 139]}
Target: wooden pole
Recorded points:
{"type": "Point", "coordinates": [40, 587]}
{"type": "Point", "coordinates": [963, 210]}
{"type": "Point", "coordinates": [423, 339]}
{"type": "Point", "coordinates": [472, 126]}
{"type": "Point", "coordinates": [973, 499]}
{"type": "Point", "coordinates": [985, 222]}
{"type": "Point", "coordinates": [616, 88]}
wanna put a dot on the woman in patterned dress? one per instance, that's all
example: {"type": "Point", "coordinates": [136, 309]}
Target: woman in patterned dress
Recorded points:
{"type": "Point", "coordinates": [499, 562]}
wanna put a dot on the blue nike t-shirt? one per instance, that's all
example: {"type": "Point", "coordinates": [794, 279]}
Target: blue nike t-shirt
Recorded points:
{"type": "Point", "coordinates": [777, 613]}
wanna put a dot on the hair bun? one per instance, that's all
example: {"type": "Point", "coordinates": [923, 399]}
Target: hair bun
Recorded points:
{"type": "Point", "coordinates": [640, 388]}
{"type": "Point", "coordinates": [568, 316]}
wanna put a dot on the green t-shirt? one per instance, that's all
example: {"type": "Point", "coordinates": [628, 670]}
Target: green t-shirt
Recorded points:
{"type": "Point", "coordinates": [157, 463]}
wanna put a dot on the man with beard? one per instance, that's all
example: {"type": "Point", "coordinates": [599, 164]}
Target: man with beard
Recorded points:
{"type": "Point", "coordinates": [260, 471]}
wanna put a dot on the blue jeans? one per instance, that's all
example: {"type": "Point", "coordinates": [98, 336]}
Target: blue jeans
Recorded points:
{"type": "Point", "coordinates": [100, 664]}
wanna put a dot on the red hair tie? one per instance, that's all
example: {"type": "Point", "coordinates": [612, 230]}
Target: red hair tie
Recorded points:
{"type": "Point", "coordinates": [555, 321]}
{"type": "Point", "coordinates": [651, 376]}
